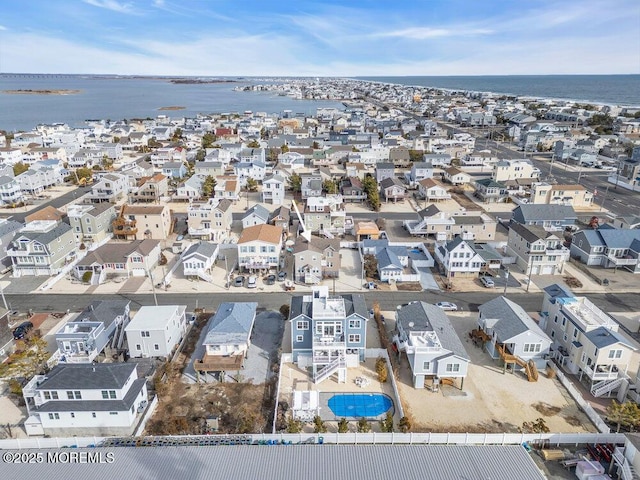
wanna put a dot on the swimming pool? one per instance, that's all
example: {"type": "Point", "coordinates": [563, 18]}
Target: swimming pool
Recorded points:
{"type": "Point", "coordinates": [358, 405]}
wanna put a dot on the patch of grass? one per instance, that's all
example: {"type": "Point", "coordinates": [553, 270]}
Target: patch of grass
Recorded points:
{"type": "Point", "coordinates": [409, 287]}
{"type": "Point", "coordinates": [546, 409]}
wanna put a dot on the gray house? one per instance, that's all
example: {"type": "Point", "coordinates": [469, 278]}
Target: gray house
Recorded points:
{"type": "Point", "coordinates": [99, 325]}
{"type": "Point", "coordinates": [384, 170]}
{"type": "Point", "coordinates": [311, 185]}
{"type": "Point", "coordinates": [8, 229]}
{"type": "Point", "coordinates": [434, 351]}
{"type": "Point", "coordinates": [551, 217]}
{"type": "Point", "coordinates": [514, 333]}
{"type": "Point", "coordinates": [256, 215]}
{"type": "Point", "coordinates": [608, 247]}
{"type": "Point", "coordinates": [328, 333]}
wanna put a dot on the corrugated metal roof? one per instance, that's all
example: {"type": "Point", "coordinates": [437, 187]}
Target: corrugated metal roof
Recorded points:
{"type": "Point", "coordinates": [281, 462]}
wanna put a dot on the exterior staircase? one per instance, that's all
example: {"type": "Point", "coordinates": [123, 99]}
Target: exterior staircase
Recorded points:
{"type": "Point", "coordinates": [204, 275]}
{"type": "Point", "coordinates": [627, 472]}
{"type": "Point", "coordinates": [330, 369]}
{"type": "Point", "coordinates": [606, 386]}
{"type": "Point", "coordinates": [327, 234]}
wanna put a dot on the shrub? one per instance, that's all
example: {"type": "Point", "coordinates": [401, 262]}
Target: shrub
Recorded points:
{"type": "Point", "coordinates": [318, 425]}
{"type": "Point", "coordinates": [343, 426]}
{"type": "Point", "coordinates": [284, 311]}
{"type": "Point", "coordinates": [386, 425]}
{"type": "Point", "coordinates": [86, 276]}
{"type": "Point", "coordinates": [363, 426]}
{"type": "Point", "coordinates": [294, 426]}
{"type": "Point", "coordinates": [405, 425]}
{"type": "Point", "coordinates": [14, 387]}
{"type": "Point", "coordinates": [381, 370]}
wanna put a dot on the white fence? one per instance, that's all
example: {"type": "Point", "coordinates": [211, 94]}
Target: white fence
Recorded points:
{"type": "Point", "coordinates": [582, 403]}
{"type": "Point", "coordinates": [381, 352]}
{"type": "Point", "coordinates": [546, 439]}
{"type": "Point", "coordinates": [147, 415]}
{"type": "Point", "coordinates": [284, 358]}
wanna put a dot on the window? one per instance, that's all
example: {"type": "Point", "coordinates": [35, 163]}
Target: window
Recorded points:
{"type": "Point", "coordinates": [453, 367]}
{"type": "Point", "coordinates": [144, 334]}
{"type": "Point", "coordinates": [138, 346]}
{"type": "Point", "coordinates": [93, 414]}
{"type": "Point", "coordinates": [302, 325]}
{"type": "Point", "coordinates": [553, 333]}
{"type": "Point", "coordinates": [575, 332]}
{"type": "Point", "coordinates": [70, 395]}
{"type": "Point", "coordinates": [615, 353]}
{"type": "Point", "coordinates": [299, 338]}
{"type": "Point", "coordinates": [108, 394]}
{"type": "Point", "coordinates": [426, 366]}
{"type": "Point", "coordinates": [354, 324]}
{"type": "Point", "coordinates": [77, 394]}
{"type": "Point", "coordinates": [54, 416]}
{"type": "Point", "coordinates": [531, 348]}
{"type": "Point", "coordinates": [113, 413]}
{"type": "Point", "coordinates": [354, 338]}
{"type": "Point", "coordinates": [156, 346]}
{"type": "Point", "coordinates": [564, 321]}
{"type": "Point", "coordinates": [73, 415]}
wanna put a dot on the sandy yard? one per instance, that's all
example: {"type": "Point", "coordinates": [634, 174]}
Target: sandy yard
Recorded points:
{"type": "Point", "coordinates": [490, 400]}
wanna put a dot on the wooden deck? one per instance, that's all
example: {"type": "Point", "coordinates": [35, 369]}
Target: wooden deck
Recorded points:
{"type": "Point", "coordinates": [213, 363]}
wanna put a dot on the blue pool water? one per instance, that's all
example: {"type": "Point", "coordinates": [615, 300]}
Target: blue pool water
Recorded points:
{"type": "Point", "coordinates": [358, 405]}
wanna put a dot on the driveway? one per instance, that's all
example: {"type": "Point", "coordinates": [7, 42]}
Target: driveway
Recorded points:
{"type": "Point", "coordinates": [426, 279]}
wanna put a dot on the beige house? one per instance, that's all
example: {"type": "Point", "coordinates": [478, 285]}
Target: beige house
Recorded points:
{"type": "Point", "coordinates": [210, 220]}
{"type": "Point", "coordinates": [455, 176]}
{"type": "Point", "coordinates": [152, 221]}
{"type": "Point", "coordinates": [327, 215]}
{"type": "Point", "coordinates": [259, 248]}
{"type": "Point", "coordinates": [515, 170]}
{"type": "Point", "coordinates": [150, 189]}
{"type": "Point", "coordinates": [91, 223]}
{"type": "Point", "coordinates": [432, 191]}
{"type": "Point", "coordinates": [472, 225]}
{"type": "Point", "coordinates": [573, 195]}
{"type": "Point", "coordinates": [315, 260]}
{"type": "Point", "coordinates": [227, 187]}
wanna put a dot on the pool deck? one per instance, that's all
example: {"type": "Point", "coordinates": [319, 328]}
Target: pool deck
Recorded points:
{"type": "Point", "coordinates": [293, 378]}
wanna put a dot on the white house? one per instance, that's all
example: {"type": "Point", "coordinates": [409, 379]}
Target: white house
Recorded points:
{"type": "Point", "coordinates": [434, 350]}
{"type": "Point", "coordinates": [85, 399]}
{"type": "Point", "coordinates": [273, 189]}
{"type": "Point", "coordinates": [259, 247]}
{"type": "Point", "coordinates": [156, 330]}
{"type": "Point", "coordinates": [431, 191]}
{"type": "Point", "coordinates": [458, 257]}
{"type": "Point", "coordinates": [199, 260]}
{"type": "Point", "coordinates": [256, 215]}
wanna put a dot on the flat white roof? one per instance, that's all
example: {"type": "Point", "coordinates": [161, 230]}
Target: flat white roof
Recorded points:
{"type": "Point", "coordinates": [154, 318]}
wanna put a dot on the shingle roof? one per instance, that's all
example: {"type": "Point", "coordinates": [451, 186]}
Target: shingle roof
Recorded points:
{"type": "Point", "coordinates": [104, 311]}
{"type": "Point", "coordinates": [205, 249]}
{"type": "Point", "coordinates": [118, 252]}
{"type": "Point", "coordinates": [101, 376]}
{"type": "Point", "coordinates": [531, 213]}
{"type": "Point", "coordinates": [264, 233]}
{"type": "Point", "coordinates": [426, 317]}
{"type": "Point", "coordinates": [513, 320]}
{"type": "Point", "coordinates": [603, 337]}
{"type": "Point", "coordinates": [259, 211]}
{"type": "Point", "coordinates": [231, 324]}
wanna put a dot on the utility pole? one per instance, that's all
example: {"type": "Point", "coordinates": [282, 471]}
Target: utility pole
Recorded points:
{"type": "Point", "coordinates": [506, 281]}
{"type": "Point", "coordinates": [604, 199]}
{"type": "Point", "coordinates": [530, 265]}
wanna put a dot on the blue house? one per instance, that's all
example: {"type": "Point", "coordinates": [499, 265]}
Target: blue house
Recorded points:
{"type": "Point", "coordinates": [174, 169]}
{"type": "Point", "coordinates": [328, 333]}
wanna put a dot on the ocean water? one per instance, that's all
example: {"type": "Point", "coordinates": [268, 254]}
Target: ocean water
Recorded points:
{"type": "Point", "coordinates": [124, 98]}
{"type": "Point", "coordinates": [606, 89]}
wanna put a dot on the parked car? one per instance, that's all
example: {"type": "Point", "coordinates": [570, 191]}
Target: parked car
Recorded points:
{"type": "Point", "coordinates": [447, 306]}
{"type": "Point", "coordinates": [238, 281]}
{"type": "Point", "coordinates": [282, 276]}
{"type": "Point", "coordinates": [371, 285]}
{"type": "Point", "coordinates": [487, 282]}
{"type": "Point", "coordinates": [253, 282]}
{"type": "Point", "coordinates": [270, 279]}
{"type": "Point", "coordinates": [21, 330]}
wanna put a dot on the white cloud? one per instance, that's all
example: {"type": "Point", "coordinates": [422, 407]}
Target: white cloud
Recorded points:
{"type": "Point", "coordinates": [423, 33]}
{"type": "Point", "coordinates": [113, 5]}
{"type": "Point", "coordinates": [2, 27]}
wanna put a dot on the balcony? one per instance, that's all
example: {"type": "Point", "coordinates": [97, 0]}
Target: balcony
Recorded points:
{"type": "Point", "coordinates": [215, 363]}
{"type": "Point", "coordinates": [602, 372]}
{"type": "Point", "coordinates": [321, 341]}
{"type": "Point", "coordinates": [197, 232]}
{"type": "Point", "coordinates": [326, 359]}
{"type": "Point", "coordinates": [626, 260]}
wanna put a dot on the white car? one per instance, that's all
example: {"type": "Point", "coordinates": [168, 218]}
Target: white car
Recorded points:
{"type": "Point", "coordinates": [487, 282]}
{"type": "Point", "coordinates": [448, 306]}
{"type": "Point", "coordinates": [253, 282]}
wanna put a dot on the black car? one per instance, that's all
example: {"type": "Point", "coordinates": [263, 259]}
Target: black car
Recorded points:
{"type": "Point", "coordinates": [21, 330]}
{"type": "Point", "coordinates": [270, 279]}
{"type": "Point", "coordinates": [238, 281]}
{"type": "Point", "coordinates": [282, 276]}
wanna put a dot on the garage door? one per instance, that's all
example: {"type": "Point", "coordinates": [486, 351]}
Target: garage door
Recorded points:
{"type": "Point", "coordinates": [535, 270]}
{"type": "Point", "coordinates": [138, 272]}
{"type": "Point", "coordinates": [547, 270]}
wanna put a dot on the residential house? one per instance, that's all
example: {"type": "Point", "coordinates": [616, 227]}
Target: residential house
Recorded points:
{"type": "Point", "coordinates": [273, 190]}
{"type": "Point", "coordinates": [199, 260]}
{"type": "Point", "coordinates": [164, 155]}
{"type": "Point", "coordinates": [155, 331]}
{"type": "Point", "coordinates": [384, 170]}
{"type": "Point", "coordinates": [191, 188]}
{"type": "Point", "coordinates": [149, 189]}
{"type": "Point", "coordinates": [130, 259]}
{"type": "Point", "coordinates": [458, 257]}
{"type": "Point", "coordinates": [91, 224]}
{"type": "Point", "coordinates": [112, 187]}
{"type": "Point", "coordinates": [228, 337]}
{"type": "Point", "coordinates": [393, 189]}
{"type": "Point", "coordinates": [537, 251]}
{"type": "Point", "coordinates": [259, 248]}
{"type": "Point", "coordinates": [432, 191]}
{"type": "Point", "coordinates": [328, 333]}
{"type": "Point", "coordinates": [47, 213]}
{"type": "Point", "coordinates": [8, 230]}
{"type": "Point", "coordinates": [356, 170]}
{"type": "Point", "coordinates": [174, 169]}
{"type": "Point", "coordinates": [327, 215]}
{"type": "Point", "coordinates": [419, 171]}
{"type": "Point", "coordinates": [42, 248]}
{"type": "Point", "coordinates": [210, 220]}
{"type": "Point", "coordinates": [366, 231]}
{"type": "Point", "coordinates": [490, 191]}
{"type": "Point", "coordinates": [256, 215]}
{"type": "Point", "coordinates": [455, 176]}
{"type": "Point", "coordinates": [522, 172]}
{"type": "Point", "coordinates": [98, 327]}
{"type": "Point", "coordinates": [551, 217]}
{"type": "Point", "coordinates": [586, 341]}
{"type": "Point", "coordinates": [311, 185]}
{"type": "Point", "coordinates": [608, 248]}
{"type": "Point", "coordinates": [227, 187]}
{"type": "Point", "coordinates": [442, 160]}
{"type": "Point", "coordinates": [256, 170]}
{"type": "Point", "coordinates": [138, 169]}
{"type": "Point", "coordinates": [100, 399]}
{"type": "Point", "coordinates": [35, 180]}
{"type": "Point", "coordinates": [391, 262]}
{"type": "Point", "coordinates": [280, 217]}
{"type": "Point", "coordinates": [575, 196]}
{"type": "Point", "coordinates": [315, 260]}
{"type": "Point", "coordinates": [352, 190]}
{"type": "Point", "coordinates": [434, 351]}
{"type": "Point", "coordinates": [10, 191]}
{"type": "Point", "coordinates": [212, 169]}
{"type": "Point", "coordinates": [151, 221]}
{"type": "Point", "coordinates": [399, 156]}
{"type": "Point", "coordinates": [446, 225]}
{"type": "Point", "coordinates": [514, 336]}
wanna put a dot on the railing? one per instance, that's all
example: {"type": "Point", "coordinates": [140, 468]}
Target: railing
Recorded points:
{"type": "Point", "coordinates": [622, 261]}
{"type": "Point", "coordinates": [329, 341]}
{"type": "Point", "coordinates": [598, 375]}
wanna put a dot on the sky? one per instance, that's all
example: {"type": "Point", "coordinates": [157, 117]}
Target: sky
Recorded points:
{"type": "Point", "coordinates": [320, 38]}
